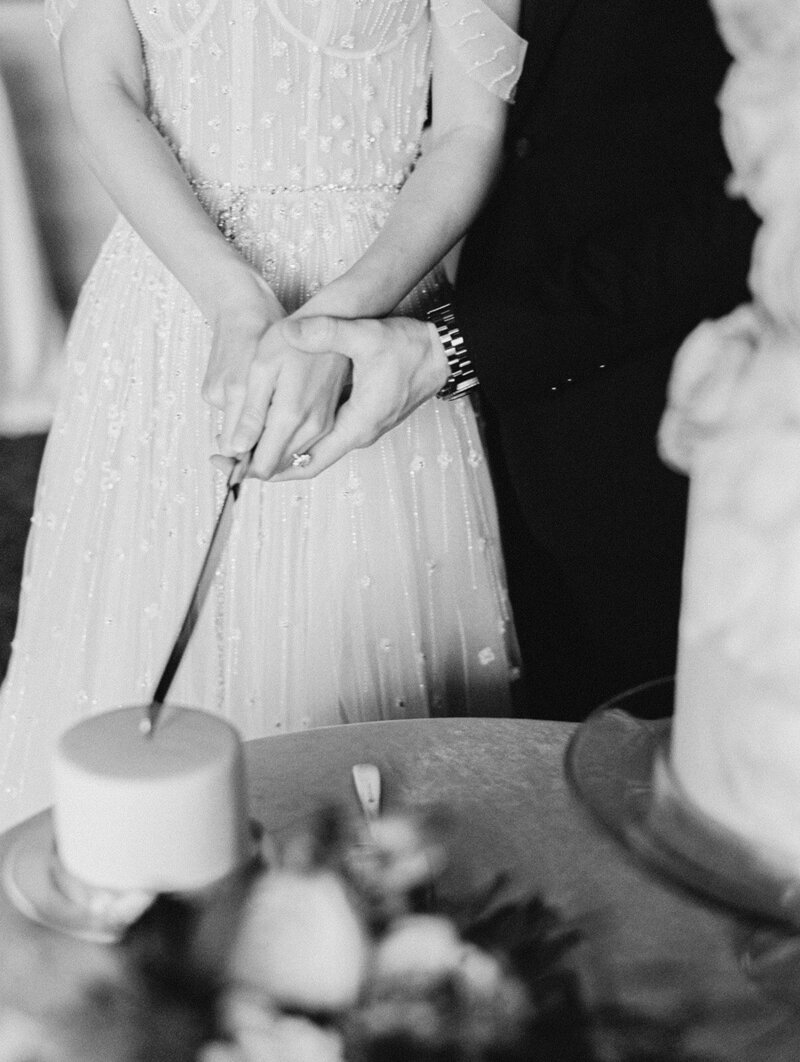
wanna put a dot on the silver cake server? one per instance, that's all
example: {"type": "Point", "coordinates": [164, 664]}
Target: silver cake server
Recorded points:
{"type": "Point", "coordinates": [219, 537]}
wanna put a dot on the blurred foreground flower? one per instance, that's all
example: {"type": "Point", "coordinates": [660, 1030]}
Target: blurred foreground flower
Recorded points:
{"type": "Point", "coordinates": [329, 954]}
{"type": "Point", "coordinates": [301, 942]}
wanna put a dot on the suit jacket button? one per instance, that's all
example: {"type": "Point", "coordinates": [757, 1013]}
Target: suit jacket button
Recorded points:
{"type": "Point", "coordinates": [522, 147]}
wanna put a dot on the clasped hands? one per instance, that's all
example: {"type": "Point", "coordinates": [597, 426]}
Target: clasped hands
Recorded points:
{"type": "Point", "coordinates": [321, 386]}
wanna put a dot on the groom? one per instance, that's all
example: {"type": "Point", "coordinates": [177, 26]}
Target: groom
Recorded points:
{"type": "Point", "coordinates": [608, 237]}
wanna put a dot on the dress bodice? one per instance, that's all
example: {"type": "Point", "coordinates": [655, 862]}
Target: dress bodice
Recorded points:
{"type": "Point", "coordinates": [305, 93]}
{"type": "Point", "coordinates": [288, 93]}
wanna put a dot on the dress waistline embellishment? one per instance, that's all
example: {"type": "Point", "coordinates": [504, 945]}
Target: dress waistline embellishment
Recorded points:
{"type": "Point", "coordinates": [236, 190]}
{"type": "Point", "coordinates": [236, 200]}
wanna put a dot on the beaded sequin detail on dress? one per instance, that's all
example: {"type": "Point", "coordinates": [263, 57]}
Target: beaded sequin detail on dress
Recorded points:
{"type": "Point", "coordinates": [373, 591]}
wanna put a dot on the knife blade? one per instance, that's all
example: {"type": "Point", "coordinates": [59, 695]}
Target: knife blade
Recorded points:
{"type": "Point", "coordinates": [208, 569]}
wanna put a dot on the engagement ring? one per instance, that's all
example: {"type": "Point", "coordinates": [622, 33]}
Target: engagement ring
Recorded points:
{"type": "Point", "coordinates": [301, 460]}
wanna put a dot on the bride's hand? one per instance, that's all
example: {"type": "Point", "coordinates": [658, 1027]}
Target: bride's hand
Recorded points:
{"type": "Point", "coordinates": [240, 322]}
{"type": "Point", "coordinates": [301, 392]}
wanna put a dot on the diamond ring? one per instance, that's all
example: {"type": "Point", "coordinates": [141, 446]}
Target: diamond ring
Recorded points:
{"type": "Point", "coordinates": [301, 460]}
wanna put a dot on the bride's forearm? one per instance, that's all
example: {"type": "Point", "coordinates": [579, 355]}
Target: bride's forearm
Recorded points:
{"type": "Point", "coordinates": [146, 182]}
{"type": "Point", "coordinates": [432, 212]}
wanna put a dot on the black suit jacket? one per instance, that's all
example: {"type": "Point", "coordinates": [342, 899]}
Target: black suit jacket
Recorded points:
{"type": "Point", "coordinates": [610, 231]}
{"type": "Point", "coordinates": [608, 237]}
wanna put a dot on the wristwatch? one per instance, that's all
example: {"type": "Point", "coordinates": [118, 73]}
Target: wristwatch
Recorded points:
{"type": "Point", "coordinates": [462, 378]}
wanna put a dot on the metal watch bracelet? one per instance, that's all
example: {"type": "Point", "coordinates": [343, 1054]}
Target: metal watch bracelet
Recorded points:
{"type": "Point", "coordinates": [462, 378]}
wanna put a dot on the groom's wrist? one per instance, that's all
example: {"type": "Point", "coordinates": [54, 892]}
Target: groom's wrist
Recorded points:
{"type": "Point", "coordinates": [435, 356]}
{"type": "Point", "coordinates": [463, 377]}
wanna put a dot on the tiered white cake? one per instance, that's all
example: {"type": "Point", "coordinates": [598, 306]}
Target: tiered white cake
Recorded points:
{"type": "Point", "coordinates": [160, 812]}
{"type": "Point", "coordinates": [733, 423]}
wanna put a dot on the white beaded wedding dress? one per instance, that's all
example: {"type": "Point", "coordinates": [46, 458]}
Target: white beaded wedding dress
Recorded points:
{"type": "Point", "coordinates": [375, 591]}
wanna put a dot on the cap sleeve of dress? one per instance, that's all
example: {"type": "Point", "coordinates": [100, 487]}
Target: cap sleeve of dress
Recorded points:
{"type": "Point", "coordinates": [489, 50]}
{"type": "Point", "coordinates": [56, 13]}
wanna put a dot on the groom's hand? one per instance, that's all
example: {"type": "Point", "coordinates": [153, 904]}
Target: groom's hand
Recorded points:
{"type": "Point", "coordinates": [398, 363]}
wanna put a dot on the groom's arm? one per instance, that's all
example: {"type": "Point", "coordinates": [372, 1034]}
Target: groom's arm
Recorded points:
{"type": "Point", "coordinates": [633, 288]}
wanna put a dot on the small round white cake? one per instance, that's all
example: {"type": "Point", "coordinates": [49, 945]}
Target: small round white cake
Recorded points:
{"type": "Point", "coordinates": [162, 812]}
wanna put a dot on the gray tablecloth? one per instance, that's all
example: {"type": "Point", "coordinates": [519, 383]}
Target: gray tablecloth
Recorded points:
{"type": "Point", "coordinates": [645, 941]}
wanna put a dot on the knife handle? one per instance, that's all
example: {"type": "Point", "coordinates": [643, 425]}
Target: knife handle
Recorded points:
{"type": "Point", "coordinates": [239, 471]}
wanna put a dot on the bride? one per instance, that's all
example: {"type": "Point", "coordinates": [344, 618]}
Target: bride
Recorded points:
{"type": "Point", "coordinates": [265, 159]}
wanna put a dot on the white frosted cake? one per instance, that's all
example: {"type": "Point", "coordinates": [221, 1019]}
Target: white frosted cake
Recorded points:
{"type": "Point", "coordinates": [160, 812]}
{"type": "Point", "coordinates": [736, 729]}
{"type": "Point", "coordinates": [733, 424]}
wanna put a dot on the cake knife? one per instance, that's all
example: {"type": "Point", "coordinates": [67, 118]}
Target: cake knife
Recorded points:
{"type": "Point", "coordinates": [219, 536]}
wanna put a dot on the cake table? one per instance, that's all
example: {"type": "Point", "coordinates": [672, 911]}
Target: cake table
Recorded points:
{"type": "Point", "coordinates": [505, 781]}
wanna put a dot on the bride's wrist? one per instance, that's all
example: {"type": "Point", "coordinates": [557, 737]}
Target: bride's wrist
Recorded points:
{"type": "Point", "coordinates": [240, 296]}
{"type": "Point", "coordinates": [348, 296]}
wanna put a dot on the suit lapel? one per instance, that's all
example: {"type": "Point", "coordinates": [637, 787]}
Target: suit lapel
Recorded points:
{"type": "Point", "coordinates": [540, 24]}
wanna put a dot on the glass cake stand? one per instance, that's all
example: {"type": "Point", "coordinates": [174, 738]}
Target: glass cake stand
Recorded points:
{"type": "Point", "coordinates": [610, 765]}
